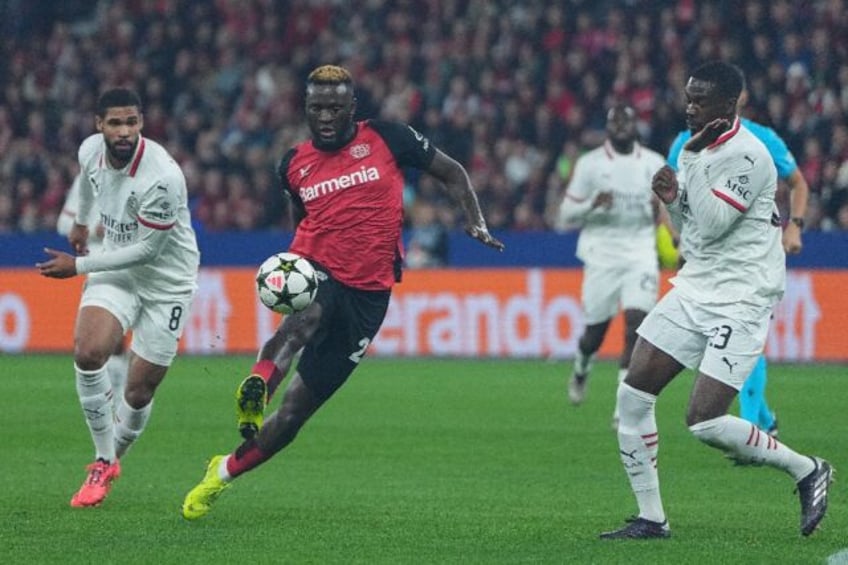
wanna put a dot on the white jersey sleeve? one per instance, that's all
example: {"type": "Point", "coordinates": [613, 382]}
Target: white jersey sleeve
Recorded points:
{"type": "Point", "coordinates": [149, 244]}
{"type": "Point", "coordinates": [69, 217]}
{"type": "Point", "coordinates": [160, 204]}
{"type": "Point", "coordinates": [69, 210]}
{"type": "Point", "coordinates": [157, 213]}
{"type": "Point", "coordinates": [721, 193]}
{"type": "Point", "coordinates": [90, 155]}
{"type": "Point", "coordinates": [578, 199]}
{"type": "Point", "coordinates": [146, 221]}
{"type": "Point", "coordinates": [730, 230]}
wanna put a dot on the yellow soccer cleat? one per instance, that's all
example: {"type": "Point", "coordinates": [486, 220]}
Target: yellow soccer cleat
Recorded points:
{"type": "Point", "coordinates": [199, 500]}
{"type": "Point", "coordinates": [251, 398]}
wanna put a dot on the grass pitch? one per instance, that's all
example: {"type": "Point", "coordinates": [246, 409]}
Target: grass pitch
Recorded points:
{"type": "Point", "coordinates": [413, 461]}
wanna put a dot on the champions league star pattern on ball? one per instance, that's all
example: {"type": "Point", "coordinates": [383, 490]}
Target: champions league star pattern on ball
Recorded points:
{"type": "Point", "coordinates": [286, 283]}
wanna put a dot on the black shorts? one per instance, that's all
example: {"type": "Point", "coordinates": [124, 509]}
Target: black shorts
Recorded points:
{"type": "Point", "coordinates": [350, 318]}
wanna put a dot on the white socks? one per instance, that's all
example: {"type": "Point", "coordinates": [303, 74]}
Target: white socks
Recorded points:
{"type": "Point", "coordinates": [638, 444]}
{"type": "Point", "coordinates": [622, 374]}
{"type": "Point", "coordinates": [222, 470]}
{"type": "Point", "coordinates": [747, 443]}
{"type": "Point", "coordinates": [95, 396]}
{"type": "Point", "coordinates": [117, 368]}
{"type": "Point", "coordinates": [582, 363]}
{"type": "Point", "coordinates": [129, 423]}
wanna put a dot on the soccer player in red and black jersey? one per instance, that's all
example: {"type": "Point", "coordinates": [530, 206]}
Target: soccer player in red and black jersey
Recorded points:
{"type": "Point", "coordinates": [345, 185]}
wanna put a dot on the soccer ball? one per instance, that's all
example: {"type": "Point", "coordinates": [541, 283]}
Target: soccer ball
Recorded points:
{"type": "Point", "coordinates": [286, 283]}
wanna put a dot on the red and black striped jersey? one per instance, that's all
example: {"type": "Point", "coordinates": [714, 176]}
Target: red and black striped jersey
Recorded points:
{"type": "Point", "coordinates": [353, 199]}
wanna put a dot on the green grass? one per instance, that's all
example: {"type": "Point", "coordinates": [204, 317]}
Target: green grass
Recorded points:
{"type": "Point", "coordinates": [414, 461]}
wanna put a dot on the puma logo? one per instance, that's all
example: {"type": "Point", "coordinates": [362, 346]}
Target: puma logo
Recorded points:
{"type": "Point", "coordinates": [729, 364]}
{"type": "Point", "coordinates": [631, 455]}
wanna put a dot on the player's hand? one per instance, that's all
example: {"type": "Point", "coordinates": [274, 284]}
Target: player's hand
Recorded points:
{"type": "Point", "coordinates": [481, 233]}
{"type": "Point", "coordinates": [792, 239]}
{"type": "Point", "coordinates": [61, 265]}
{"type": "Point", "coordinates": [78, 238]}
{"type": "Point", "coordinates": [664, 184]}
{"type": "Point", "coordinates": [707, 135]}
{"type": "Point", "coordinates": [602, 200]}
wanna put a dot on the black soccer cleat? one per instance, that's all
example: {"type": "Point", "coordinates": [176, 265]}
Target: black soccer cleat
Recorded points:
{"type": "Point", "coordinates": [640, 528]}
{"type": "Point", "coordinates": [812, 490]}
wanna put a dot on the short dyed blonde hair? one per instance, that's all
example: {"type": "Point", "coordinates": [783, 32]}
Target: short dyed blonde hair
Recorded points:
{"type": "Point", "coordinates": [330, 74]}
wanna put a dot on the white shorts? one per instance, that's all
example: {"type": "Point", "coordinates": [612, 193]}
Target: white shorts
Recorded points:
{"type": "Point", "coordinates": [722, 341]}
{"type": "Point", "coordinates": [606, 289]}
{"type": "Point", "coordinates": [157, 325]}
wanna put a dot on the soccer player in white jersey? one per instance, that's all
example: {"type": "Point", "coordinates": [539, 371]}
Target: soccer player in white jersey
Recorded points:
{"type": "Point", "coordinates": [716, 317]}
{"type": "Point", "coordinates": [118, 362]}
{"type": "Point", "coordinates": [753, 405]}
{"type": "Point", "coordinates": [609, 197]}
{"type": "Point", "coordinates": [143, 279]}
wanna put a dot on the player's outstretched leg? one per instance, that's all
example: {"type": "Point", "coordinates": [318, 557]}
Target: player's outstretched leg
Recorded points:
{"type": "Point", "coordinates": [98, 482]}
{"type": "Point", "coordinates": [812, 490]}
{"type": "Point", "coordinates": [640, 528]}
{"type": "Point", "coordinates": [199, 500]}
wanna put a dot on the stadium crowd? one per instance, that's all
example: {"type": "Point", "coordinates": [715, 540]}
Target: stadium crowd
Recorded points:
{"type": "Point", "coordinates": [514, 91]}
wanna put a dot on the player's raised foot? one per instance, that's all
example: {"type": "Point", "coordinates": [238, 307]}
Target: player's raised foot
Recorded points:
{"type": "Point", "coordinates": [812, 490]}
{"type": "Point", "coordinates": [199, 500]}
{"type": "Point", "coordinates": [577, 388]}
{"type": "Point", "coordinates": [101, 475]}
{"type": "Point", "coordinates": [640, 528]}
{"type": "Point", "coordinates": [251, 398]}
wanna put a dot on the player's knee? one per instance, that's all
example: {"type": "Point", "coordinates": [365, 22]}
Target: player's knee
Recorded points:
{"type": "Point", "coordinates": [695, 416]}
{"type": "Point", "coordinates": [293, 334]}
{"type": "Point", "coordinates": [138, 395]}
{"type": "Point", "coordinates": [703, 408]}
{"type": "Point", "coordinates": [89, 357]}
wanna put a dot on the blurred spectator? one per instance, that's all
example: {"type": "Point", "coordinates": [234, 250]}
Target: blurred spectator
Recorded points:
{"type": "Point", "coordinates": [428, 238]}
{"type": "Point", "coordinates": [841, 215]}
{"type": "Point", "coordinates": [515, 91]}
